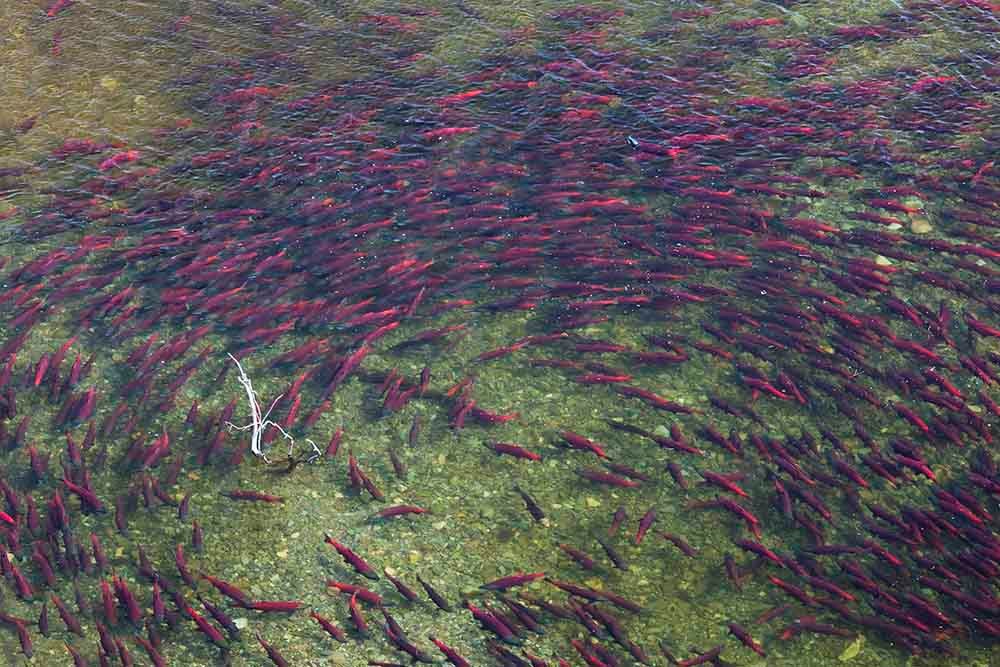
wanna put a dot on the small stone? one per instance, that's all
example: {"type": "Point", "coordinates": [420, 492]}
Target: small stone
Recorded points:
{"type": "Point", "coordinates": [853, 649]}
{"type": "Point", "coordinates": [799, 20]}
{"type": "Point", "coordinates": [241, 622]}
{"type": "Point", "coordinates": [920, 225]}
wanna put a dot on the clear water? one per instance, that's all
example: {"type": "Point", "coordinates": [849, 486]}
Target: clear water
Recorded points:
{"type": "Point", "coordinates": [508, 171]}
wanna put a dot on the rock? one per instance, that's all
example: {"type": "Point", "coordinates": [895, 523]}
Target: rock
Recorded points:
{"type": "Point", "coordinates": [853, 649]}
{"type": "Point", "coordinates": [920, 225]}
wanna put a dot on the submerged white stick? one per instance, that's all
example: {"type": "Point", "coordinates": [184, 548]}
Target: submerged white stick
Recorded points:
{"type": "Point", "coordinates": [259, 422]}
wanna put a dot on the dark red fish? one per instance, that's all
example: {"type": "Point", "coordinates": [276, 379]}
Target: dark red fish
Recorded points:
{"type": "Point", "coordinates": [357, 617]}
{"type": "Point", "coordinates": [58, 6]}
{"type": "Point", "coordinates": [645, 522]}
{"type": "Point", "coordinates": [740, 633]}
{"type": "Point", "coordinates": [245, 494]}
{"type": "Point", "coordinates": [723, 482]}
{"type": "Point", "coordinates": [352, 559]}
{"type": "Point", "coordinates": [681, 544]}
{"type": "Point", "coordinates": [272, 653]}
{"type": "Point", "coordinates": [607, 478]}
{"type": "Point", "coordinates": [398, 510]}
{"type": "Point", "coordinates": [510, 581]}
{"type": "Point", "coordinates": [450, 654]}
{"type": "Point", "coordinates": [330, 627]}
{"type": "Point", "coordinates": [514, 450]}
{"type": "Point", "coordinates": [371, 597]}
{"type": "Point", "coordinates": [577, 441]}
{"type": "Point", "coordinates": [274, 605]}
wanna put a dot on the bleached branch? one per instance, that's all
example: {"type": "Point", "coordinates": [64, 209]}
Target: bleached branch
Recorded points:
{"type": "Point", "coordinates": [259, 422]}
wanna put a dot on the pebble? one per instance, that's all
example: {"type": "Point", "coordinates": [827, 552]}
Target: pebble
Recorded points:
{"type": "Point", "coordinates": [921, 226]}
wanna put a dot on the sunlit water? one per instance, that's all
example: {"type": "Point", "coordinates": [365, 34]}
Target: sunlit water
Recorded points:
{"type": "Point", "coordinates": [712, 287]}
